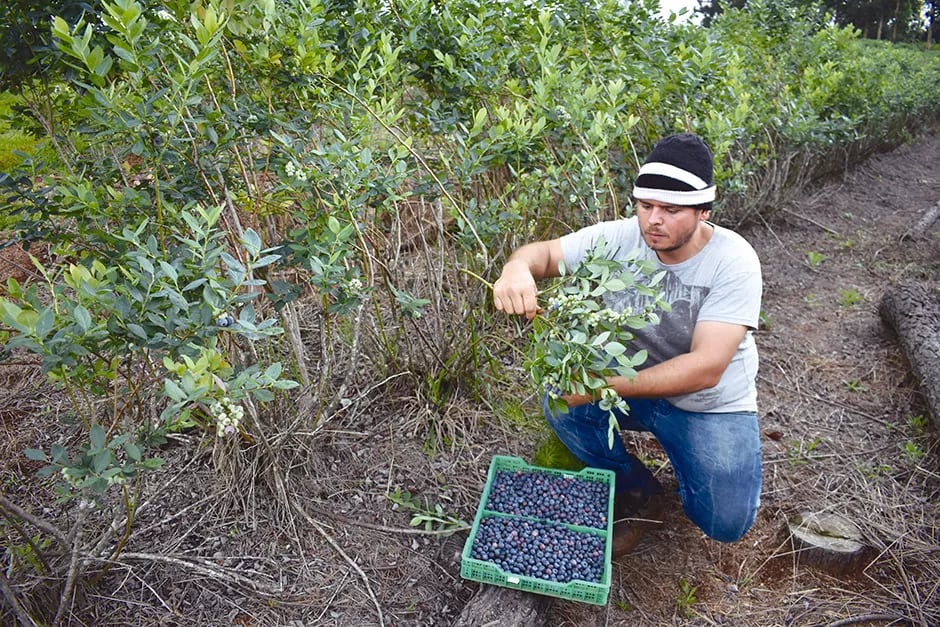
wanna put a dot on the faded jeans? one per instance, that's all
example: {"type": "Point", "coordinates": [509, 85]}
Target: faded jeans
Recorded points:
{"type": "Point", "coordinates": [716, 458]}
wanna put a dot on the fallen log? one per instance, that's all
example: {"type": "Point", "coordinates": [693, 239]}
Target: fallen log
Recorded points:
{"type": "Point", "coordinates": [912, 310]}
{"type": "Point", "coordinates": [504, 607]}
{"type": "Point", "coordinates": [921, 228]}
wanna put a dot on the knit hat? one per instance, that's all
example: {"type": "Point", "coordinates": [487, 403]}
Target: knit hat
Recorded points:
{"type": "Point", "coordinates": [677, 172]}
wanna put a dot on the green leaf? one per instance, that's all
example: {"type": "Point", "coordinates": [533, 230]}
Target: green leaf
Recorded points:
{"type": "Point", "coordinates": [615, 285]}
{"type": "Point", "coordinates": [60, 454]}
{"type": "Point", "coordinates": [247, 314]}
{"type": "Point", "coordinates": [274, 370]}
{"type": "Point", "coordinates": [169, 270]}
{"type": "Point", "coordinates": [173, 390]}
{"type": "Point", "coordinates": [232, 263]}
{"type": "Point", "coordinates": [153, 463]}
{"type": "Point", "coordinates": [44, 323]}
{"type": "Point", "coordinates": [263, 395]}
{"type": "Point", "coordinates": [252, 242]}
{"type": "Point", "coordinates": [614, 349]}
{"type": "Point", "coordinates": [36, 455]}
{"type": "Point", "coordinates": [133, 451]}
{"type": "Point", "coordinates": [639, 358]}
{"type": "Point", "coordinates": [101, 461]}
{"type": "Point", "coordinates": [82, 318]}
{"type": "Point", "coordinates": [97, 436]}
{"type": "Point", "coordinates": [265, 261]}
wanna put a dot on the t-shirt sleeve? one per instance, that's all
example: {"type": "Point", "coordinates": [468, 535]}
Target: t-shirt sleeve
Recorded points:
{"type": "Point", "coordinates": [735, 296]}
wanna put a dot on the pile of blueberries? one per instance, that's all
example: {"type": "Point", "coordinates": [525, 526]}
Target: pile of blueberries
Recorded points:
{"type": "Point", "coordinates": [550, 496]}
{"type": "Point", "coordinates": [542, 550]}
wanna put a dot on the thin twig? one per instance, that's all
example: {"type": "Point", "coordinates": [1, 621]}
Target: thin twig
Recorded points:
{"type": "Point", "coordinates": [411, 531]}
{"type": "Point", "coordinates": [349, 560]}
{"type": "Point", "coordinates": [811, 221]}
{"type": "Point", "coordinates": [19, 512]}
{"type": "Point", "coordinates": [866, 618]}
{"type": "Point", "coordinates": [204, 567]}
{"type": "Point", "coordinates": [11, 600]}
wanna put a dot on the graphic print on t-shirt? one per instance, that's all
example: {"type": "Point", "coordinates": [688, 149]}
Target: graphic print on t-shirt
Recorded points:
{"type": "Point", "coordinates": [673, 335]}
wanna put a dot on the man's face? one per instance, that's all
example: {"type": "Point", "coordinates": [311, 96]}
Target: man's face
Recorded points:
{"type": "Point", "coordinates": [667, 228]}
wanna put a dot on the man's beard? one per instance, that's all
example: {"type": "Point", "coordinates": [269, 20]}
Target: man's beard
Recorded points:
{"type": "Point", "coordinates": [686, 237]}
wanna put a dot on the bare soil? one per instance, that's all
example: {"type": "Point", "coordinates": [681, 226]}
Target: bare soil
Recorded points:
{"type": "Point", "coordinates": [841, 434]}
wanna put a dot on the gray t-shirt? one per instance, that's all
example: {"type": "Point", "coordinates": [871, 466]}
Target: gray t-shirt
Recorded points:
{"type": "Point", "coordinates": [721, 283]}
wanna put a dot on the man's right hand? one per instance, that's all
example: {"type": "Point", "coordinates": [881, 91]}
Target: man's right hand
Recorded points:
{"type": "Point", "coordinates": [515, 291]}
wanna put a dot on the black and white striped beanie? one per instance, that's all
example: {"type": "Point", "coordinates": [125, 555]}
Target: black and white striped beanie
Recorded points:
{"type": "Point", "coordinates": [677, 172]}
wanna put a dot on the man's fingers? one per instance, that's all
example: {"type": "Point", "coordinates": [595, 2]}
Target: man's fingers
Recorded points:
{"type": "Point", "coordinates": [515, 297]}
{"type": "Point", "coordinates": [529, 303]}
{"type": "Point", "coordinates": [497, 301]}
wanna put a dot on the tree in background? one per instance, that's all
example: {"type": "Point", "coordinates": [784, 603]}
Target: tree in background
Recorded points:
{"type": "Point", "coordinates": [897, 20]}
{"type": "Point", "coordinates": [931, 13]}
{"type": "Point", "coordinates": [710, 9]}
{"type": "Point", "coordinates": [880, 19]}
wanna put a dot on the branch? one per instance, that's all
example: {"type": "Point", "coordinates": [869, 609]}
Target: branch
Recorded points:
{"type": "Point", "coordinates": [203, 567]}
{"type": "Point", "coordinates": [19, 512]}
{"type": "Point", "coordinates": [75, 535]}
{"type": "Point", "coordinates": [10, 597]}
{"type": "Point", "coordinates": [825, 228]}
{"type": "Point", "coordinates": [921, 227]}
{"type": "Point", "coordinates": [867, 618]}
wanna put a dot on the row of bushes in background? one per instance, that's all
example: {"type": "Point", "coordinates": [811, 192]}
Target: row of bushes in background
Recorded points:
{"type": "Point", "coordinates": [205, 165]}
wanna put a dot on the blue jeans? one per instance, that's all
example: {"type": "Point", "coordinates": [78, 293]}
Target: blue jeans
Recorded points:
{"type": "Point", "coordinates": [716, 458]}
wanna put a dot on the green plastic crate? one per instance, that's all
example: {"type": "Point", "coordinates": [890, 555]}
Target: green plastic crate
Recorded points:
{"type": "Point", "coordinates": [488, 572]}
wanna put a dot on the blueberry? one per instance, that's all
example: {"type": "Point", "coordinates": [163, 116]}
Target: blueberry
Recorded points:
{"type": "Point", "coordinates": [550, 496]}
{"type": "Point", "coordinates": [567, 555]}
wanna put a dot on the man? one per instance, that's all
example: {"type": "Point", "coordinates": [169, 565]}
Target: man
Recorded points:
{"type": "Point", "coordinates": [696, 392]}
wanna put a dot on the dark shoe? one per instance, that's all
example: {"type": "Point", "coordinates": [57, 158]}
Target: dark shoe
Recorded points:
{"type": "Point", "coordinates": [635, 513]}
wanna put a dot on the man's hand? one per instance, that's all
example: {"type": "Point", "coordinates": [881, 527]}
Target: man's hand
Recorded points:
{"type": "Point", "coordinates": [573, 400]}
{"type": "Point", "coordinates": [515, 292]}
